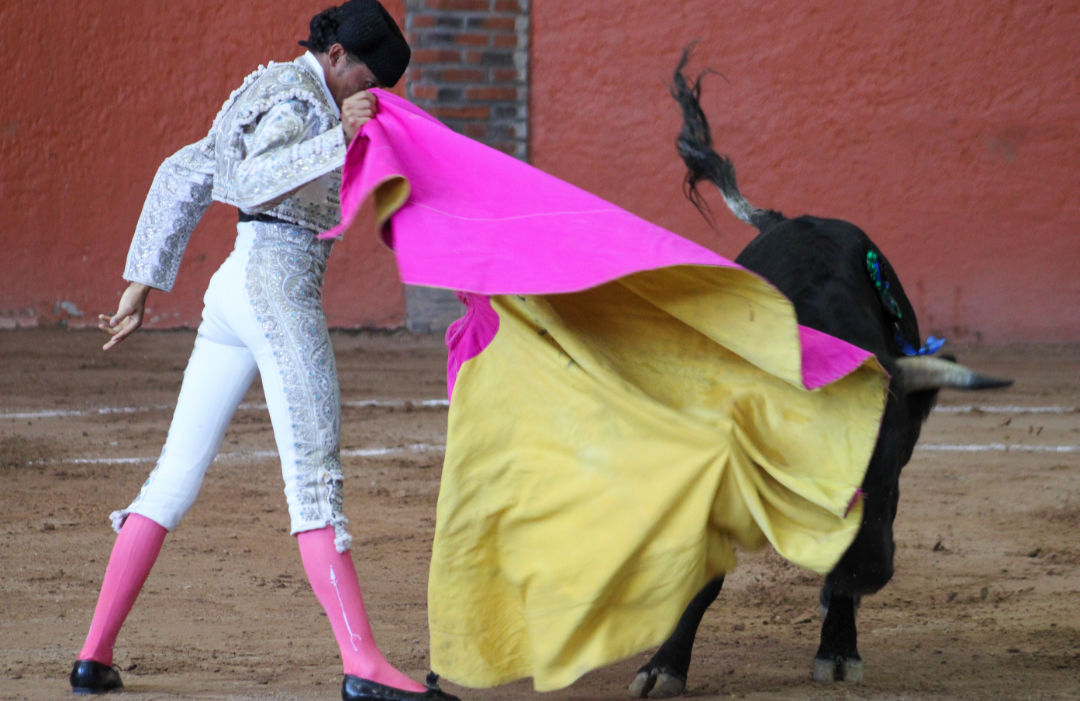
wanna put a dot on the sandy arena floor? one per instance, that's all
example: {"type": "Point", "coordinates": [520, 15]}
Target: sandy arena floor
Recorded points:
{"type": "Point", "coordinates": [985, 603]}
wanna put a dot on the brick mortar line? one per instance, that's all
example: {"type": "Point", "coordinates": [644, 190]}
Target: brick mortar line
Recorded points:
{"type": "Point", "coordinates": [499, 121]}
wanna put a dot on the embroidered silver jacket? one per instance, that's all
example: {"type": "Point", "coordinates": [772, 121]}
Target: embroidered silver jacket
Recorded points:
{"type": "Point", "coordinates": [276, 147]}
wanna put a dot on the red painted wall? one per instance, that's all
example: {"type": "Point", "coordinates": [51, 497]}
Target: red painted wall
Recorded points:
{"type": "Point", "coordinates": [950, 132]}
{"type": "Point", "coordinates": [95, 96]}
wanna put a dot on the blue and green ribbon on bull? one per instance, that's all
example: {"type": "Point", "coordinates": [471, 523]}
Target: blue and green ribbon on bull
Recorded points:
{"type": "Point", "coordinates": [873, 266]}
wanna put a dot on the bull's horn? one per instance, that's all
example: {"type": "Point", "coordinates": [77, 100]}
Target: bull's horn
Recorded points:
{"type": "Point", "coordinates": [922, 373]}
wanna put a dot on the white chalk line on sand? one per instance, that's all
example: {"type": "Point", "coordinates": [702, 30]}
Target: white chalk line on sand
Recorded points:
{"type": "Point", "coordinates": [101, 411]}
{"type": "Point", "coordinates": [429, 403]}
{"type": "Point", "coordinates": [431, 448]}
{"type": "Point", "coordinates": [997, 448]}
{"type": "Point", "coordinates": [1008, 409]}
{"type": "Point", "coordinates": [264, 454]}
{"type": "Point", "coordinates": [57, 413]}
{"type": "Point", "coordinates": [433, 403]}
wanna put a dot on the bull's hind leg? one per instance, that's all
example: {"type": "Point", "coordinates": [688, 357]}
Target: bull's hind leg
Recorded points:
{"type": "Point", "coordinates": [838, 658]}
{"type": "Point", "coordinates": [665, 674]}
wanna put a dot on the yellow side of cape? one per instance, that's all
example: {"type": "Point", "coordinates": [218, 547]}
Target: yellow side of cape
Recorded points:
{"type": "Point", "coordinates": [607, 451]}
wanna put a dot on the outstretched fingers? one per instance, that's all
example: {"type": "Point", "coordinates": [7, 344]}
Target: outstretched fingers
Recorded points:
{"type": "Point", "coordinates": [128, 317]}
{"type": "Point", "coordinates": [119, 330]}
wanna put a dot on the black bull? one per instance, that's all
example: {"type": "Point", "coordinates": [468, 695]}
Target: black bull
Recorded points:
{"type": "Point", "coordinates": [821, 265]}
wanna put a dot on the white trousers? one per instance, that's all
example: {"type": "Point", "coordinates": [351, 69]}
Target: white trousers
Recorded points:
{"type": "Point", "coordinates": [262, 314]}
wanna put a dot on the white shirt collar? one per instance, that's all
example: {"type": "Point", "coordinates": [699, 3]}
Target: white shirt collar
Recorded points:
{"type": "Point", "coordinates": [313, 64]}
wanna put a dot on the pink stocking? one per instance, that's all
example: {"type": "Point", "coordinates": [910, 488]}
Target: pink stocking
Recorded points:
{"type": "Point", "coordinates": [133, 555]}
{"type": "Point", "coordinates": [333, 579]}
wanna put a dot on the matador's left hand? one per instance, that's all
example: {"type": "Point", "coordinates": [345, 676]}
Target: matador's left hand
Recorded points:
{"type": "Point", "coordinates": [356, 111]}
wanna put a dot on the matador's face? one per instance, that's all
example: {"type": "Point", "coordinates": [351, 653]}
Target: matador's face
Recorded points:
{"type": "Point", "coordinates": [347, 75]}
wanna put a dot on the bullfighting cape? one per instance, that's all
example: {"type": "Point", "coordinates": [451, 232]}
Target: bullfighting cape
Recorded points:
{"type": "Point", "coordinates": [627, 406]}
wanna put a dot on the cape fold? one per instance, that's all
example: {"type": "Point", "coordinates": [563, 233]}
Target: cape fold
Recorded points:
{"type": "Point", "coordinates": [627, 407]}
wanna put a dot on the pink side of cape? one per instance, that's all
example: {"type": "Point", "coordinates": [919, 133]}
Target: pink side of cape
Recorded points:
{"type": "Point", "coordinates": [480, 222]}
{"type": "Point", "coordinates": [470, 335]}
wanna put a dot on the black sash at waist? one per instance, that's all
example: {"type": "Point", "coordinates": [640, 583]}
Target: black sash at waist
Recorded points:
{"type": "Point", "coordinates": [266, 218]}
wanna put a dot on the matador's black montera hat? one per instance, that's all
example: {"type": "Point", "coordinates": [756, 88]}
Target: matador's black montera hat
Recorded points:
{"type": "Point", "coordinates": [366, 30]}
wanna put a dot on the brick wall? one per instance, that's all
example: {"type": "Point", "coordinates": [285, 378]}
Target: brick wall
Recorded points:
{"type": "Point", "coordinates": [470, 67]}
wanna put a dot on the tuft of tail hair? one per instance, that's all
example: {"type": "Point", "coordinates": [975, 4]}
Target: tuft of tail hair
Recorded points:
{"type": "Point", "coordinates": [695, 146]}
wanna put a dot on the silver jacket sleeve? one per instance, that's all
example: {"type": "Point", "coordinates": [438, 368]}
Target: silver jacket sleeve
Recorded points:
{"type": "Point", "coordinates": [177, 200]}
{"type": "Point", "coordinates": [285, 152]}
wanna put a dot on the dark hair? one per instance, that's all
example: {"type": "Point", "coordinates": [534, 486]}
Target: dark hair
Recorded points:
{"type": "Point", "coordinates": [368, 34]}
{"type": "Point", "coordinates": [324, 29]}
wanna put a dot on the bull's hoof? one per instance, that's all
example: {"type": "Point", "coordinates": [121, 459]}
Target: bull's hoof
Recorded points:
{"type": "Point", "coordinates": [838, 670]}
{"type": "Point", "coordinates": [657, 683]}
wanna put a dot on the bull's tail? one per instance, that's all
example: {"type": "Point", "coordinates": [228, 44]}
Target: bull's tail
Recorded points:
{"type": "Point", "coordinates": [703, 163]}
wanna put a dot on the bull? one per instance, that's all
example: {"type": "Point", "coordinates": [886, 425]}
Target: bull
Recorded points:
{"type": "Point", "coordinates": [840, 283]}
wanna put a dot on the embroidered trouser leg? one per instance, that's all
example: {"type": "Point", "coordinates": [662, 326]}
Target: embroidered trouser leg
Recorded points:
{"type": "Point", "coordinates": [262, 314]}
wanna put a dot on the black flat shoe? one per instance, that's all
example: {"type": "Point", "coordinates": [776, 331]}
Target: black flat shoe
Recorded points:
{"type": "Point", "coordinates": [357, 689]}
{"type": "Point", "coordinates": [89, 677]}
